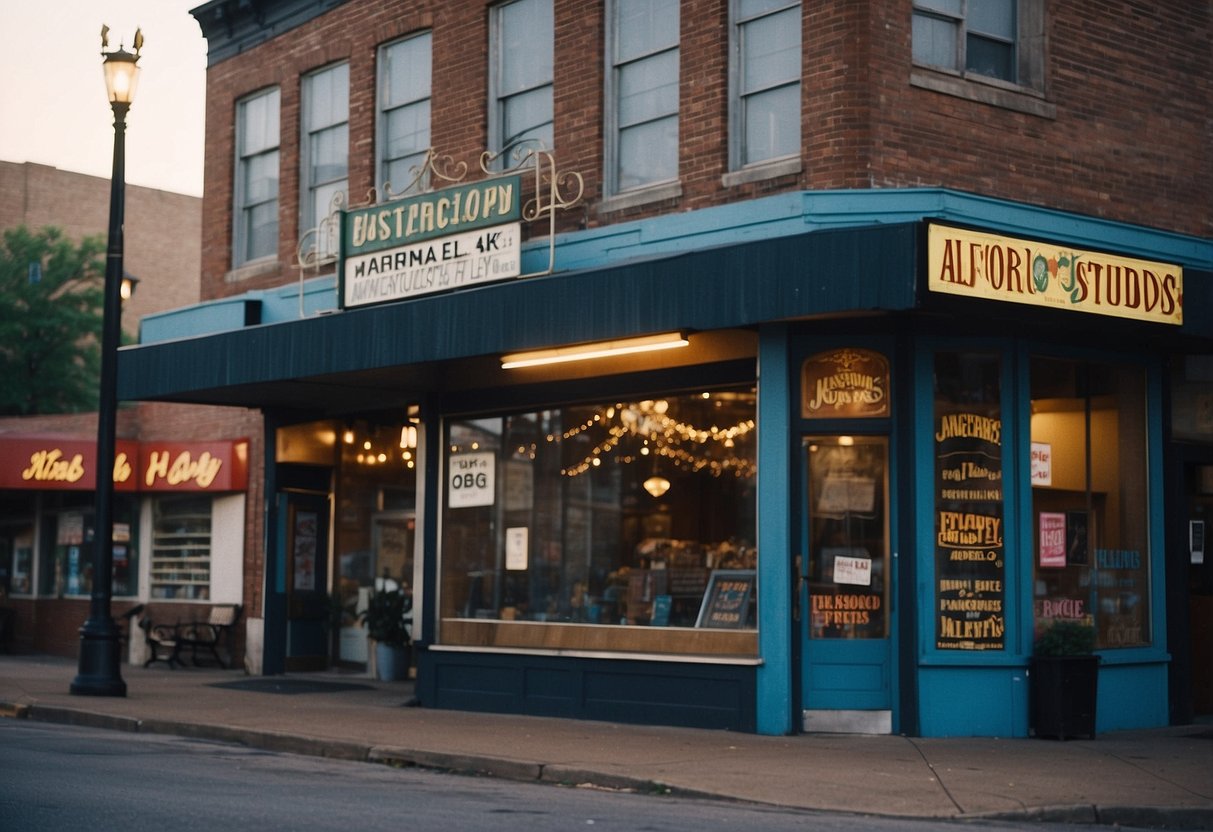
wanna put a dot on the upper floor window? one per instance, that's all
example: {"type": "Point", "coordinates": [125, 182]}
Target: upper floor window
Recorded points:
{"type": "Point", "coordinates": [642, 93]}
{"type": "Point", "coordinates": [968, 36]}
{"type": "Point", "coordinates": [256, 210]}
{"type": "Point", "coordinates": [765, 80]}
{"type": "Point", "coordinates": [404, 110]}
{"type": "Point", "coordinates": [521, 74]}
{"type": "Point", "coordinates": [324, 145]}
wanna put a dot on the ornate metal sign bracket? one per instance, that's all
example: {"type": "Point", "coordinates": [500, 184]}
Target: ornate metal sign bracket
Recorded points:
{"type": "Point", "coordinates": [550, 187]}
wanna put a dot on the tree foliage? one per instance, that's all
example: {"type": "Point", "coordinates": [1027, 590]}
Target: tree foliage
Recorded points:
{"type": "Point", "coordinates": [51, 306]}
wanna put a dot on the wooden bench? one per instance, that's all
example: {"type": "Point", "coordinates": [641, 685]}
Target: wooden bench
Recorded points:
{"type": "Point", "coordinates": [167, 642]}
{"type": "Point", "coordinates": [162, 642]}
{"type": "Point", "coordinates": [207, 636]}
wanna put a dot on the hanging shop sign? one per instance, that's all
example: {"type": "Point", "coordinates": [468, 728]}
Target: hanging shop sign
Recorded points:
{"type": "Point", "coordinates": [845, 384]}
{"type": "Point", "coordinates": [994, 267]}
{"type": "Point", "coordinates": [454, 238]}
{"type": "Point", "coordinates": [71, 465]}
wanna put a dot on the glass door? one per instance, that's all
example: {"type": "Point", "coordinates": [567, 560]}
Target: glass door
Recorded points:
{"type": "Point", "coordinates": [846, 577]}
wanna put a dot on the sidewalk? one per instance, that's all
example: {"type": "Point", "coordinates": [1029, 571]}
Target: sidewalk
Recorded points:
{"type": "Point", "coordinates": [1154, 778]}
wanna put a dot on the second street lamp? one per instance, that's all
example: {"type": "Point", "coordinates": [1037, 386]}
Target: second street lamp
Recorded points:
{"type": "Point", "coordinates": [98, 673]}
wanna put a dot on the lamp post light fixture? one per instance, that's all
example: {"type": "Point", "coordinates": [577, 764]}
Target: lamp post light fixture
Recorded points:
{"type": "Point", "coordinates": [98, 673]}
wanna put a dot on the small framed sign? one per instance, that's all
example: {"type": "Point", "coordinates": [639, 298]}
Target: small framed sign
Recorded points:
{"type": "Point", "coordinates": [726, 601]}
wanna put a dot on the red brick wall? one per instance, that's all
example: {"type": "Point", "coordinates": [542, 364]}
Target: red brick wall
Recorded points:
{"type": "Point", "coordinates": [1129, 142]}
{"type": "Point", "coordinates": [1133, 135]}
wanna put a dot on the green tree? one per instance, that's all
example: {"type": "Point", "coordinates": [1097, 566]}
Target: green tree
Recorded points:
{"type": "Point", "coordinates": [51, 302]}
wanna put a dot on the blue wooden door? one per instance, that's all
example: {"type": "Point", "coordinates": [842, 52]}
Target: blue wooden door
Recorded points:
{"type": "Point", "coordinates": [846, 572]}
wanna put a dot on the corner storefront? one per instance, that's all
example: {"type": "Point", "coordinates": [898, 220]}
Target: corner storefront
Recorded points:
{"type": "Point", "coordinates": [847, 497]}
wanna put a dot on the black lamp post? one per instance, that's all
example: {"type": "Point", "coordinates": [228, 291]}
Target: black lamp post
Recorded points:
{"type": "Point", "coordinates": [98, 673]}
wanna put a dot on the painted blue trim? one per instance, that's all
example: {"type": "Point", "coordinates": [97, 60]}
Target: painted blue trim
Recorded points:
{"type": "Point", "coordinates": [776, 625]}
{"type": "Point", "coordinates": [1155, 395]}
{"type": "Point", "coordinates": [740, 222]}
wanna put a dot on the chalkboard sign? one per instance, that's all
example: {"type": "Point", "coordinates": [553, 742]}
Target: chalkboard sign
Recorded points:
{"type": "Point", "coordinates": [726, 601]}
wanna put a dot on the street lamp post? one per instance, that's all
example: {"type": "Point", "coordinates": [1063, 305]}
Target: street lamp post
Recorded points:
{"type": "Point", "coordinates": [98, 673]}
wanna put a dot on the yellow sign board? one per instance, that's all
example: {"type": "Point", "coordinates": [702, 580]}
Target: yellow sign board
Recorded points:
{"type": "Point", "coordinates": [993, 267]}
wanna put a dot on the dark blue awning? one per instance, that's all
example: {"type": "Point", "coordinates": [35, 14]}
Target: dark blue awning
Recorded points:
{"type": "Point", "coordinates": [357, 355]}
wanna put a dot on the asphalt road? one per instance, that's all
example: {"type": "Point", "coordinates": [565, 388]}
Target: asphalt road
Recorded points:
{"type": "Point", "coordinates": [57, 778]}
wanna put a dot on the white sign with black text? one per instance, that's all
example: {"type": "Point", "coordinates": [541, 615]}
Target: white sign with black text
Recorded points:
{"type": "Point", "coordinates": [459, 261]}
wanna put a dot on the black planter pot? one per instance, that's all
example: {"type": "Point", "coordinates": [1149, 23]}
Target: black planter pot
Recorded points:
{"type": "Point", "coordinates": [1063, 691]}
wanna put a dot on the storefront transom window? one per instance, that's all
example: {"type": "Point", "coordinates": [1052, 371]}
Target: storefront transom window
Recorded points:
{"type": "Point", "coordinates": [632, 514]}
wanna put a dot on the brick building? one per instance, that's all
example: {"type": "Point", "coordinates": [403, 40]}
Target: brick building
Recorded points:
{"type": "Point", "coordinates": [932, 277]}
{"type": "Point", "coordinates": [45, 522]}
{"type": "Point", "coordinates": [162, 230]}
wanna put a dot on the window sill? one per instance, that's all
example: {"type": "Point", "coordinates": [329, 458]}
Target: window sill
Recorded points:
{"type": "Point", "coordinates": [252, 269]}
{"type": "Point", "coordinates": [640, 196]}
{"type": "Point", "coordinates": [985, 91]}
{"type": "Point", "coordinates": [526, 635]}
{"type": "Point", "coordinates": [762, 171]}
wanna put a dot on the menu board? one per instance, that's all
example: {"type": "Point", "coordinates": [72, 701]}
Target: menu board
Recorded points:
{"type": "Point", "coordinates": [970, 562]}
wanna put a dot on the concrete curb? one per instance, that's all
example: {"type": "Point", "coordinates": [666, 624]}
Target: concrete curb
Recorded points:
{"type": "Point", "coordinates": [556, 774]}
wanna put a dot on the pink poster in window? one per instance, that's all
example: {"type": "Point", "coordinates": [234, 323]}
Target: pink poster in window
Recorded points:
{"type": "Point", "coordinates": [1052, 539]}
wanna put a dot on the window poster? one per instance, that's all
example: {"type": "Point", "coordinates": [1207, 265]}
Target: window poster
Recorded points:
{"type": "Point", "coordinates": [306, 525]}
{"type": "Point", "coordinates": [1052, 538]}
{"type": "Point", "coordinates": [970, 562]}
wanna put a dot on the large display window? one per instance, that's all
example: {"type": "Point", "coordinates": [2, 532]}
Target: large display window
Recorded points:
{"type": "Point", "coordinates": [66, 549]}
{"type": "Point", "coordinates": [1090, 498]}
{"type": "Point", "coordinates": [618, 525]}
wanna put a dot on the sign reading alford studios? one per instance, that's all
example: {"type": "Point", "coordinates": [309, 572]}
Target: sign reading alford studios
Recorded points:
{"type": "Point", "coordinates": [450, 239]}
{"type": "Point", "coordinates": [994, 267]}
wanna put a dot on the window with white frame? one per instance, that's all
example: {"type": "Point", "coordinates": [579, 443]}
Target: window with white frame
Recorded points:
{"type": "Point", "coordinates": [324, 147]}
{"type": "Point", "coordinates": [181, 547]}
{"type": "Point", "coordinates": [521, 74]}
{"type": "Point", "coordinates": [642, 93]}
{"type": "Point", "coordinates": [256, 187]}
{"type": "Point", "coordinates": [765, 80]}
{"type": "Point", "coordinates": [404, 111]}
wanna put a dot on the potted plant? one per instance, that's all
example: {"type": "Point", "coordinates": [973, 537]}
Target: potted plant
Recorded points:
{"type": "Point", "coordinates": [386, 626]}
{"type": "Point", "coordinates": [1064, 680]}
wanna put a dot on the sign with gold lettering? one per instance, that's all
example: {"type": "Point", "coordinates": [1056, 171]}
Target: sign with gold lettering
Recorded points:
{"type": "Point", "coordinates": [70, 464]}
{"type": "Point", "coordinates": [993, 267]}
{"type": "Point", "coordinates": [60, 464]}
{"type": "Point", "coordinates": [194, 466]}
{"type": "Point", "coordinates": [845, 384]}
{"type": "Point", "coordinates": [970, 562]}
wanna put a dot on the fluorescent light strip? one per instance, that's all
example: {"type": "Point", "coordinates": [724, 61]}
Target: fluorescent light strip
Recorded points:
{"type": "Point", "coordinates": [599, 349]}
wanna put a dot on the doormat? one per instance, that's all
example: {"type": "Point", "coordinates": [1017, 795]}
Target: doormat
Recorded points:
{"type": "Point", "coordinates": [270, 684]}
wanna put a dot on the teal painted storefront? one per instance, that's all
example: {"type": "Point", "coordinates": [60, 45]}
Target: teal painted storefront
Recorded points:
{"type": "Point", "coordinates": [804, 273]}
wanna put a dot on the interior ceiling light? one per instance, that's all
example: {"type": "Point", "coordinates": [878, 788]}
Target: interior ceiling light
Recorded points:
{"type": "Point", "coordinates": [657, 485]}
{"type": "Point", "coordinates": [598, 349]}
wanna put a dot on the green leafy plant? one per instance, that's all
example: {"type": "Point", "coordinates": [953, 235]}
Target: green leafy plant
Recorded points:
{"type": "Point", "coordinates": [384, 617]}
{"type": "Point", "coordinates": [1066, 638]}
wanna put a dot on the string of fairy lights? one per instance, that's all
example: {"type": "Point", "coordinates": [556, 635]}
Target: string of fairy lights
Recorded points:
{"type": "Point", "coordinates": [689, 447]}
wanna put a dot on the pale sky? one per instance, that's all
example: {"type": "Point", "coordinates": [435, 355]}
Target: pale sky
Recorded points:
{"type": "Point", "coordinates": [54, 111]}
